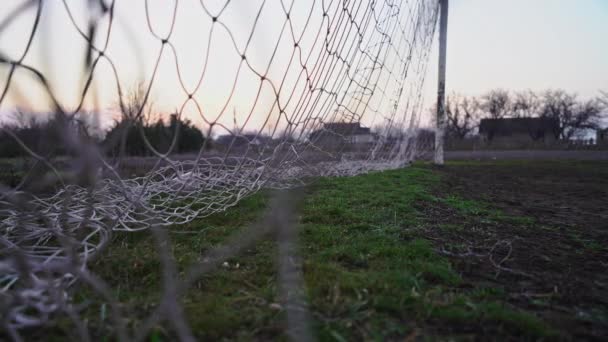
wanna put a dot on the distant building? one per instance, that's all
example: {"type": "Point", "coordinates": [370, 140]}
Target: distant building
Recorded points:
{"type": "Point", "coordinates": [337, 134]}
{"type": "Point", "coordinates": [517, 132]}
{"type": "Point", "coordinates": [242, 140]}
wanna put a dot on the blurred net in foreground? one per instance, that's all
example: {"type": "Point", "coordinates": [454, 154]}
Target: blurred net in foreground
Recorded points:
{"type": "Point", "coordinates": [308, 79]}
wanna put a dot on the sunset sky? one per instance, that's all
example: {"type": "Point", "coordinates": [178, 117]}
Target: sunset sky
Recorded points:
{"type": "Point", "coordinates": [514, 44]}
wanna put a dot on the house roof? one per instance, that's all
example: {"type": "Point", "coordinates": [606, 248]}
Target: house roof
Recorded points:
{"type": "Point", "coordinates": [345, 128]}
{"type": "Point", "coordinates": [247, 138]}
{"type": "Point", "coordinates": [509, 126]}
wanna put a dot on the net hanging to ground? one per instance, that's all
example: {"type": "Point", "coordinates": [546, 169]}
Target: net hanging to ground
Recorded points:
{"type": "Point", "coordinates": [282, 90]}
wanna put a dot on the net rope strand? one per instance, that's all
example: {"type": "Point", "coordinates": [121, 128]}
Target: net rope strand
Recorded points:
{"type": "Point", "coordinates": [348, 63]}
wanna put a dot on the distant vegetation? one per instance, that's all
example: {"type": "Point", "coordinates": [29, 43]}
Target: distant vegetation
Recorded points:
{"type": "Point", "coordinates": [48, 136]}
{"type": "Point", "coordinates": [134, 134]}
{"type": "Point", "coordinates": [575, 116]}
{"type": "Point", "coordinates": [179, 135]}
{"type": "Point", "coordinates": [61, 135]}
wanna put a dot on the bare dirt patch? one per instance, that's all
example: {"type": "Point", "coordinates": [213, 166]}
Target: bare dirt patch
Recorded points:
{"type": "Point", "coordinates": [536, 230]}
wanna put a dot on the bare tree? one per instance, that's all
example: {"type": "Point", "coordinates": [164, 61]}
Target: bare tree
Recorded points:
{"type": "Point", "coordinates": [496, 103]}
{"type": "Point", "coordinates": [132, 106]}
{"type": "Point", "coordinates": [603, 98]}
{"type": "Point", "coordinates": [573, 115]}
{"type": "Point", "coordinates": [463, 114]}
{"type": "Point", "coordinates": [526, 104]}
{"type": "Point", "coordinates": [136, 105]}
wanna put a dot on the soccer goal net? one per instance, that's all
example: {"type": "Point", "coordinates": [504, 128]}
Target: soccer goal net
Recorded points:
{"type": "Point", "coordinates": [131, 115]}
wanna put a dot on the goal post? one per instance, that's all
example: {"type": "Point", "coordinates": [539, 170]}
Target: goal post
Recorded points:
{"type": "Point", "coordinates": [441, 119]}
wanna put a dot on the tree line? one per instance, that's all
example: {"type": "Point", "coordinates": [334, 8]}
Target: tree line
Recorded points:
{"type": "Point", "coordinates": [57, 133]}
{"type": "Point", "coordinates": [134, 134]}
{"type": "Point", "coordinates": [575, 116]}
{"type": "Point", "coordinates": [137, 138]}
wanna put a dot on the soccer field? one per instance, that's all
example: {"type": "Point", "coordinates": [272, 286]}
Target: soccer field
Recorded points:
{"type": "Point", "coordinates": [490, 250]}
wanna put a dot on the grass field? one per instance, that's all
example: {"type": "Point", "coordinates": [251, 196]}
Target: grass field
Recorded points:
{"type": "Point", "coordinates": [496, 250]}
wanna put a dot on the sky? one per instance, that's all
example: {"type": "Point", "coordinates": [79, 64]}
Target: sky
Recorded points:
{"type": "Point", "coordinates": [509, 44]}
{"type": "Point", "coordinates": [527, 44]}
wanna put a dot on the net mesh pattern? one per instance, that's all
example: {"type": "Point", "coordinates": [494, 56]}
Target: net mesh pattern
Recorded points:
{"type": "Point", "coordinates": [306, 87]}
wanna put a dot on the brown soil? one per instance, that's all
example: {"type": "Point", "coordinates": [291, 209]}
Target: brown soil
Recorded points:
{"type": "Point", "coordinates": [554, 262]}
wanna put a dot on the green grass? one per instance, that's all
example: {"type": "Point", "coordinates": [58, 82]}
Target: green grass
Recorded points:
{"type": "Point", "coordinates": [230, 302]}
{"type": "Point", "coordinates": [482, 211]}
{"type": "Point", "coordinates": [368, 272]}
{"type": "Point", "coordinates": [366, 265]}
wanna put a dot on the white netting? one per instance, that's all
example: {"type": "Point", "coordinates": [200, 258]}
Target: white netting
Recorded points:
{"type": "Point", "coordinates": [308, 77]}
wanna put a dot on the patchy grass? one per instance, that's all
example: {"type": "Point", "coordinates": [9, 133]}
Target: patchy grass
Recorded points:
{"type": "Point", "coordinates": [480, 210]}
{"type": "Point", "coordinates": [370, 275]}
{"type": "Point", "coordinates": [232, 302]}
{"type": "Point", "coordinates": [370, 272]}
{"type": "Point", "coordinates": [544, 222]}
